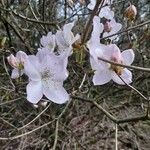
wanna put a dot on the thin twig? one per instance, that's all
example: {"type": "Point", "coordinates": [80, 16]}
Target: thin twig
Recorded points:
{"type": "Point", "coordinates": [56, 134]}
{"type": "Point", "coordinates": [126, 66]}
{"type": "Point", "coordinates": [128, 29]}
{"type": "Point", "coordinates": [89, 23]}
{"type": "Point", "coordinates": [111, 117]}
{"type": "Point", "coordinates": [42, 126]}
{"type": "Point", "coordinates": [34, 118]}
{"type": "Point", "coordinates": [116, 136]}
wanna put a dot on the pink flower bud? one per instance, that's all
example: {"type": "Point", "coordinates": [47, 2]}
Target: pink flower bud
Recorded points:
{"type": "Point", "coordinates": [13, 61]}
{"type": "Point", "coordinates": [130, 12]}
{"type": "Point", "coordinates": [107, 26]}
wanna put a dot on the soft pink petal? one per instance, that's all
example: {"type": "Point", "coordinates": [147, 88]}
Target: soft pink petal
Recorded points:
{"type": "Point", "coordinates": [34, 91]}
{"type": "Point", "coordinates": [101, 77]}
{"type": "Point", "coordinates": [115, 28]}
{"type": "Point", "coordinates": [22, 56]}
{"type": "Point", "coordinates": [128, 56]}
{"type": "Point", "coordinates": [48, 41]}
{"type": "Point", "coordinates": [32, 68]}
{"type": "Point", "coordinates": [68, 35]}
{"type": "Point", "coordinates": [55, 92]}
{"type": "Point", "coordinates": [97, 29]}
{"type": "Point", "coordinates": [126, 76]}
{"type": "Point", "coordinates": [56, 65]}
{"type": "Point", "coordinates": [60, 40]}
{"type": "Point", "coordinates": [110, 50]}
{"type": "Point", "coordinates": [106, 12]}
{"type": "Point", "coordinates": [91, 5]}
{"type": "Point", "coordinates": [15, 74]}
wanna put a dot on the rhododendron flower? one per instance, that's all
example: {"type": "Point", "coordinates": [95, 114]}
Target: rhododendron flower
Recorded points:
{"type": "Point", "coordinates": [104, 72]}
{"type": "Point", "coordinates": [94, 44]}
{"type": "Point", "coordinates": [65, 38]}
{"type": "Point", "coordinates": [107, 13]}
{"type": "Point", "coordinates": [48, 41]}
{"type": "Point", "coordinates": [46, 73]}
{"type": "Point", "coordinates": [17, 63]}
{"type": "Point", "coordinates": [111, 28]}
{"type": "Point", "coordinates": [92, 3]}
{"type": "Point", "coordinates": [97, 30]}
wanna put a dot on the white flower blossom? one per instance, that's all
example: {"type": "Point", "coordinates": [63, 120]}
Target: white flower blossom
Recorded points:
{"type": "Point", "coordinates": [114, 28]}
{"type": "Point", "coordinates": [65, 38]}
{"type": "Point", "coordinates": [92, 3]}
{"type": "Point", "coordinates": [48, 41]}
{"type": "Point", "coordinates": [17, 63]}
{"type": "Point", "coordinates": [46, 73]}
{"type": "Point", "coordinates": [104, 72]}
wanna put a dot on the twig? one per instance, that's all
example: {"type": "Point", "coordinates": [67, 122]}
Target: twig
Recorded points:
{"type": "Point", "coordinates": [44, 125]}
{"type": "Point", "coordinates": [130, 86]}
{"type": "Point", "coordinates": [126, 66]}
{"type": "Point", "coordinates": [116, 137]}
{"type": "Point", "coordinates": [111, 117]}
{"type": "Point", "coordinates": [56, 134]}
{"type": "Point", "coordinates": [19, 35]}
{"type": "Point", "coordinates": [5, 67]}
{"type": "Point", "coordinates": [89, 23]}
{"type": "Point", "coordinates": [34, 118]}
{"type": "Point", "coordinates": [82, 81]}
{"type": "Point", "coordinates": [128, 29]}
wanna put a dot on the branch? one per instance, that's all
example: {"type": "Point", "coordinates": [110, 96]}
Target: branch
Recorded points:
{"type": "Point", "coordinates": [89, 23]}
{"type": "Point", "coordinates": [126, 66]}
{"type": "Point", "coordinates": [128, 29]}
{"type": "Point", "coordinates": [42, 126]}
{"type": "Point", "coordinates": [111, 117]}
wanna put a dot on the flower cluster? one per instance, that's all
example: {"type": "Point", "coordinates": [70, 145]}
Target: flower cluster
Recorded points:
{"type": "Point", "coordinates": [105, 25]}
{"type": "Point", "coordinates": [47, 70]}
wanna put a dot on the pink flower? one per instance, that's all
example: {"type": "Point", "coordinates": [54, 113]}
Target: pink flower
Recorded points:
{"type": "Point", "coordinates": [113, 27]}
{"type": "Point", "coordinates": [92, 3]}
{"type": "Point", "coordinates": [17, 63]}
{"type": "Point", "coordinates": [104, 72]}
{"type": "Point", "coordinates": [107, 13]}
{"type": "Point", "coordinates": [65, 38]}
{"type": "Point", "coordinates": [46, 73]}
{"type": "Point", "coordinates": [48, 41]}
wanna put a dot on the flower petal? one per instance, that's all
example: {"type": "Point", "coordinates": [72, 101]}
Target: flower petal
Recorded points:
{"type": "Point", "coordinates": [68, 35]}
{"type": "Point", "coordinates": [92, 4]}
{"type": "Point", "coordinates": [101, 77]}
{"type": "Point", "coordinates": [56, 65]}
{"type": "Point", "coordinates": [55, 92]}
{"type": "Point", "coordinates": [32, 67]}
{"type": "Point", "coordinates": [126, 76]}
{"type": "Point", "coordinates": [48, 41]}
{"type": "Point", "coordinates": [60, 40]}
{"type": "Point", "coordinates": [106, 12]}
{"type": "Point", "coordinates": [128, 56]}
{"type": "Point", "coordinates": [97, 29]}
{"type": "Point", "coordinates": [34, 91]}
{"type": "Point", "coordinates": [15, 74]}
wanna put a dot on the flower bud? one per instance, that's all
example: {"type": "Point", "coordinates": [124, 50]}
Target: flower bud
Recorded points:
{"type": "Point", "coordinates": [70, 3]}
{"type": "Point", "coordinates": [13, 61]}
{"type": "Point", "coordinates": [77, 44]}
{"type": "Point", "coordinates": [82, 2]}
{"type": "Point", "coordinates": [131, 12]}
{"type": "Point", "coordinates": [107, 26]}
